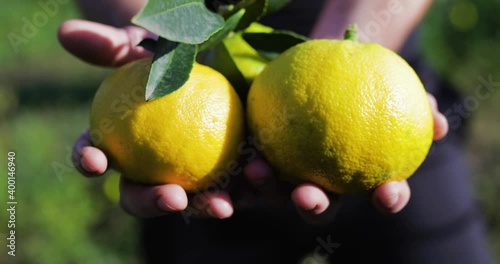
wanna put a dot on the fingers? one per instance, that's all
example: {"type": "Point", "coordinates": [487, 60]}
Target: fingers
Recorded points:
{"type": "Point", "coordinates": [218, 205]}
{"type": "Point", "coordinates": [93, 160]}
{"type": "Point", "coordinates": [156, 200]}
{"type": "Point", "coordinates": [87, 159]}
{"type": "Point", "coordinates": [150, 201]}
{"type": "Point", "coordinates": [391, 197]}
{"type": "Point", "coordinates": [440, 122]}
{"type": "Point", "coordinates": [260, 176]}
{"type": "Point", "coordinates": [101, 44]}
{"type": "Point", "coordinates": [258, 172]}
{"type": "Point", "coordinates": [314, 205]}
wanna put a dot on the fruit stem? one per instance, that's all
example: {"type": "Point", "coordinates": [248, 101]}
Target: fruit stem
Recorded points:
{"type": "Point", "coordinates": [351, 33]}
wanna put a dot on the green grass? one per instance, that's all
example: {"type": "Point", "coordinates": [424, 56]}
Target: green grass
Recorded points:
{"type": "Point", "coordinates": [461, 39]}
{"type": "Point", "coordinates": [28, 35]}
{"type": "Point", "coordinates": [45, 96]}
{"type": "Point", "coordinates": [62, 217]}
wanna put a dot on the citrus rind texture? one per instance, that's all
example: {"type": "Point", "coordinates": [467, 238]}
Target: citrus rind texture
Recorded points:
{"type": "Point", "coordinates": [347, 116]}
{"type": "Point", "coordinates": [186, 137]}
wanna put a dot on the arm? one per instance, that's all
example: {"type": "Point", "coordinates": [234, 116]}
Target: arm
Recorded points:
{"type": "Point", "coordinates": [387, 22]}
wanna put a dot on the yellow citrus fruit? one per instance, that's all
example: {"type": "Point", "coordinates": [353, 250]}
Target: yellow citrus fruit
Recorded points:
{"type": "Point", "coordinates": [186, 137]}
{"type": "Point", "coordinates": [247, 59]}
{"type": "Point", "coordinates": [345, 115]}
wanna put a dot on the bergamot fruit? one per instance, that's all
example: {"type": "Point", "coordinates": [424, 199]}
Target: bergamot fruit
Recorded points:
{"type": "Point", "coordinates": [345, 115]}
{"type": "Point", "coordinates": [186, 137]}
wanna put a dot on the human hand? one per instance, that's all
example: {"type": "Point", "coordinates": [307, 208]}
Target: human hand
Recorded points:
{"type": "Point", "coordinates": [317, 206]}
{"type": "Point", "coordinates": [314, 205]}
{"type": "Point", "coordinates": [108, 46]}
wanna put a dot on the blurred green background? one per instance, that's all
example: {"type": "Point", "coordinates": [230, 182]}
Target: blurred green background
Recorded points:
{"type": "Point", "coordinates": [45, 95]}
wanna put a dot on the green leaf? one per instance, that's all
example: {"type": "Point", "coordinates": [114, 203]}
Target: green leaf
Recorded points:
{"type": "Point", "coordinates": [226, 65]}
{"type": "Point", "coordinates": [276, 5]}
{"type": "Point", "coordinates": [255, 9]}
{"type": "Point", "coordinates": [172, 64]}
{"type": "Point", "coordinates": [186, 21]}
{"type": "Point", "coordinates": [230, 25]}
{"type": "Point", "coordinates": [271, 45]}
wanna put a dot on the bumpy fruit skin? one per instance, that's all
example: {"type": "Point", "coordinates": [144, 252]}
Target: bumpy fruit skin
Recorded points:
{"type": "Point", "coordinates": [187, 137]}
{"type": "Point", "coordinates": [347, 116]}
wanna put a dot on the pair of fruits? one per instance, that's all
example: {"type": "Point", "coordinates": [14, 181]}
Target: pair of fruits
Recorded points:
{"type": "Point", "coordinates": [345, 115]}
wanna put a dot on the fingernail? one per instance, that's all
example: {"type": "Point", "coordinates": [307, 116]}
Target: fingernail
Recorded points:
{"type": "Point", "coordinates": [442, 119]}
{"type": "Point", "coordinates": [392, 201]}
{"type": "Point", "coordinates": [164, 206]}
{"type": "Point", "coordinates": [392, 196]}
{"type": "Point", "coordinates": [441, 127]}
